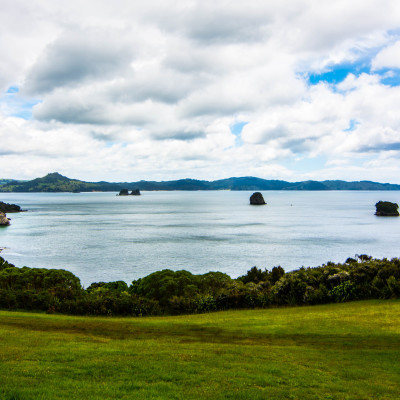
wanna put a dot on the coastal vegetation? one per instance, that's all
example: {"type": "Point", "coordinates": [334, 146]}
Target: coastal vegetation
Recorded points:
{"type": "Point", "coordinates": [181, 292]}
{"type": "Point", "coordinates": [325, 352]}
{"type": "Point", "coordinates": [260, 344]}
{"type": "Point", "coordinates": [56, 182]}
{"type": "Point", "coordinates": [11, 208]}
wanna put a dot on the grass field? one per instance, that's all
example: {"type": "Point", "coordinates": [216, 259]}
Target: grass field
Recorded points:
{"type": "Point", "coordinates": [336, 351]}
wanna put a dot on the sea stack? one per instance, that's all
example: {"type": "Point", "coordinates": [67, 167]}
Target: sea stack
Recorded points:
{"type": "Point", "coordinates": [386, 209]}
{"type": "Point", "coordinates": [257, 199]}
{"type": "Point", "coordinates": [135, 192]}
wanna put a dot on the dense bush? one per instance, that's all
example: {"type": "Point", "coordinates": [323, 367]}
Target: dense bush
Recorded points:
{"type": "Point", "coordinates": [181, 291]}
{"type": "Point", "coordinates": [178, 292]}
{"type": "Point", "coordinates": [55, 290]}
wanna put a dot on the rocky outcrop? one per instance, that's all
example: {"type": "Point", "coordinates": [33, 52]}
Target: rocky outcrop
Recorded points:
{"type": "Point", "coordinates": [9, 208]}
{"type": "Point", "coordinates": [125, 192]}
{"type": "Point", "coordinates": [257, 199]}
{"type": "Point", "coordinates": [4, 221]}
{"type": "Point", "coordinates": [386, 209]}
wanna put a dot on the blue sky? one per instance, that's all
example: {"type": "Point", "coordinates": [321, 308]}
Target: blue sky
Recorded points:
{"type": "Point", "coordinates": [338, 73]}
{"type": "Point", "coordinates": [236, 129]}
{"type": "Point", "coordinates": [15, 105]}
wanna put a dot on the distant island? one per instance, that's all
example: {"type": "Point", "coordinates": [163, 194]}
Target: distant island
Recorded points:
{"type": "Point", "coordinates": [125, 192]}
{"type": "Point", "coordinates": [56, 182]}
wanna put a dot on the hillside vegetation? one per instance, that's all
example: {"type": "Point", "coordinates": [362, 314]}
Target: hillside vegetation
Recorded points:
{"type": "Point", "coordinates": [326, 352]}
{"type": "Point", "coordinates": [56, 182]}
{"type": "Point", "coordinates": [181, 292]}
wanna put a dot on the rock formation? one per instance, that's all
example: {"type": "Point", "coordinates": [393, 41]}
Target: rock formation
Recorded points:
{"type": "Point", "coordinates": [386, 209]}
{"type": "Point", "coordinates": [4, 221]}
{"type": "Point", "coordinates": [257, 199]}
{"type": "Point", "coordinates": [125, 192]}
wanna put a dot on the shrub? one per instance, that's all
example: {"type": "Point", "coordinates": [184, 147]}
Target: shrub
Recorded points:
{"type": "Point", "coordinates": [205, 303]}
{"type": "Point", "coordinates": [345, 291]}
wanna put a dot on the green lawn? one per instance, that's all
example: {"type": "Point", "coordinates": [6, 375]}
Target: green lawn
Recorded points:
{"type": "Point", "coordinates": [336, 351]}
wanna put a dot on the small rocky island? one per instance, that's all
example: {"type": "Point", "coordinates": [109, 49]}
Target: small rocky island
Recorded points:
{"type": "Point", "coordinates": [125, 192]}
{"type": "Point", "coordinates": [257, 199]}
{"type": "Point", "coordinates": [386, 209]}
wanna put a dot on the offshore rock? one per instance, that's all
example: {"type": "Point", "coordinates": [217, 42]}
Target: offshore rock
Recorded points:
{"type": "Point", "coordinates": [386, 209]}
{"type": "Point", "coordinates": [125, 192]}
{"type": "Point", "coordinates": [4, 221]}
{"type": "Point", "coordinates": [257, 199]}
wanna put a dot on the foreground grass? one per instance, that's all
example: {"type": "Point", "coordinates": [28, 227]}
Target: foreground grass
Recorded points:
{"type": "Point", "coordinates": [339, 351]}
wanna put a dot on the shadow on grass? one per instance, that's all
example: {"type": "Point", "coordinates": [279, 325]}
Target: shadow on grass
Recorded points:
{"type": "Point", "coordinates": [193, 333]}
{"type": "Point", "coordinates": [14, 395]}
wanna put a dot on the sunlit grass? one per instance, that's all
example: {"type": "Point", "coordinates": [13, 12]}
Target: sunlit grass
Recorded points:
{"type": "Point", "coordinates": [339, 351]}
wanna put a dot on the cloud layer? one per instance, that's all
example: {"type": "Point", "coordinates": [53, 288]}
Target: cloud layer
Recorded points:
{"type": "Point", "coordinates": [128, 91]}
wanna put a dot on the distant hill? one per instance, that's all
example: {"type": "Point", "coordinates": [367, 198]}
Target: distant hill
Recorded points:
{"type": "Point", "coordinates": [4, 181]}
{"type": "Point", "coordinates": [56, 182]}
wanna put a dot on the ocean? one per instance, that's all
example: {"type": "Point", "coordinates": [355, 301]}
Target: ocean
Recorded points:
{"type": "Point", "coordinates": [104, 237]}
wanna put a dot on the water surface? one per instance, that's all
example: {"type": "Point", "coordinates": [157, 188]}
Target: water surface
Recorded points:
{"type": "Point", "coordinates": [104, 237]}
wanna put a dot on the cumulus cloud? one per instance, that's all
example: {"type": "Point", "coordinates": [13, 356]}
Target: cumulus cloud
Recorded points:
{"type": "Point", "coordinates": [78, 57]}
{"type": "Point", "coordinates": [156, 87]}
{"type": "Point", "coordinates": [389, 57]}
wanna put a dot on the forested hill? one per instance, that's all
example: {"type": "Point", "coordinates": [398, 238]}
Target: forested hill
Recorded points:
{"type": "Point", "coordinates": [55, 182]}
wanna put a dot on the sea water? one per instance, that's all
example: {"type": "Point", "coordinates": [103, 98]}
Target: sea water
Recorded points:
{"type": "Point", "coordinates": [104, 237]}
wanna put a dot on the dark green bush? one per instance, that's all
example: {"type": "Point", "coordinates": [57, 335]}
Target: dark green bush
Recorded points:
{"type": "Point", "coordinates": [254, 275]}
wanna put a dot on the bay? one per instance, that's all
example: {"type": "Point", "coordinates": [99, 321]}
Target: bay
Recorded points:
{"type": "Point", "coordinates": [104, 237]}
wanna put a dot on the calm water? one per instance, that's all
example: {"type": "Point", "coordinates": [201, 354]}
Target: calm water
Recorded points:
{"type": "Point", "coordinates": [103, 237]}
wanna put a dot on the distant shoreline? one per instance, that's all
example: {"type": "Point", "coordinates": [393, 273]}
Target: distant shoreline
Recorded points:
{"type": "Point", "coordinates": [57, 183]}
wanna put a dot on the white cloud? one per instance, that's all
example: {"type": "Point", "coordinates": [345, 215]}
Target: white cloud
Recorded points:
{"type": "Point", "coordinates": [389, 57]}
{"type": "Point", "coordinates": [76, 58]}
{"type": "Point", "coordinates": [154, 88]}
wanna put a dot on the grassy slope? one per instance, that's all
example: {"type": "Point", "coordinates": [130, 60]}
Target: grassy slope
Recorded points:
{"type": "Point", "coordinates": [339, 351]}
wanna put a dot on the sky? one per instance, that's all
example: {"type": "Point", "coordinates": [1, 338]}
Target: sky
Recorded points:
{"type": "Point", "coordinates": [125, 90]}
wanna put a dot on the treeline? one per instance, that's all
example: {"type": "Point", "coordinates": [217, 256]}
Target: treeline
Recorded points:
{"type": "Point", "coordinates": [56, 182]}
{"type": "Point", "coordinates": [179, 292]}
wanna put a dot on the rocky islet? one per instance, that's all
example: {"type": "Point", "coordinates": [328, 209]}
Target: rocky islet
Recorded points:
{"type": "Point", "coordinates": [257, 199]}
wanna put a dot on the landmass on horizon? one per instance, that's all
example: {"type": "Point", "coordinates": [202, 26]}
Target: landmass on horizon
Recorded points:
{"type": "Point", "coordinates": [55, 182]}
